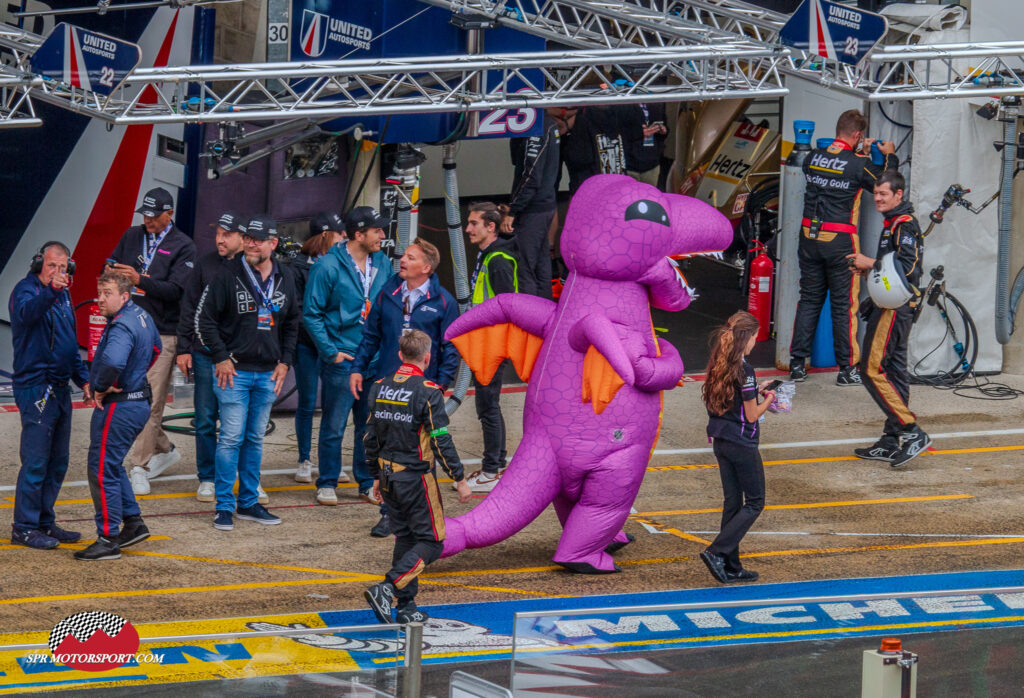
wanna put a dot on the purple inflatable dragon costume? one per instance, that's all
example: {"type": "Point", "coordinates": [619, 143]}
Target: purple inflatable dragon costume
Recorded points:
{"type": "Point", "coordinates": [595, 369]}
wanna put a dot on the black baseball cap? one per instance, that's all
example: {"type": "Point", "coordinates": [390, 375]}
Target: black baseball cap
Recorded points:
{"type": "Point", "coordinates": [260, 228]}
{"type": "Point", "coordinates": [363, 217]}
{"type": "Point", "coordinates": [231, 221]}
{"type": "Point", "coordinates": [155, 202]}
{"type": "Point", "coordinates": [328, 220]}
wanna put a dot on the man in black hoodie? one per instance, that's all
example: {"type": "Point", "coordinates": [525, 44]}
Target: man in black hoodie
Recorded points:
{"type": "Point", "coordinates": [248, 320]}
{"type": "Point", "coordinates": [495, 273]}
{"type": "Point", "coordinates": [158, 259]}
{"type": "Point", "coordinates": [193, 358]}
{"type": "Point", "coordinates": [532, 206]}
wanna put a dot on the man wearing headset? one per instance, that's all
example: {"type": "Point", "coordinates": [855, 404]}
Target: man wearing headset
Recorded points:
{"type": "Point", "coordinates": [46, 359]}
{"type": "Point", "coordinates": [890, 314]}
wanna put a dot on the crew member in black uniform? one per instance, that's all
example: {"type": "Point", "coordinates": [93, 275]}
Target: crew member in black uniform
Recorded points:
{"type": "Point", "coordinates": [128, 348]}
{"type": "Point", "coordinates": [406, 431]}
{"type": "Point", "coordinates": [884, 353]}
{"type": "Point", "coordinates": [828, 234]}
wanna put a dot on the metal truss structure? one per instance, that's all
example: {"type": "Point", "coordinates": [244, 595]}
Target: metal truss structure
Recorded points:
{"type": "Point", "coordinates": [619, 51]}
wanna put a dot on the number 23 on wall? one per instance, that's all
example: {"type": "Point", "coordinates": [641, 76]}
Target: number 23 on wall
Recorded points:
{"type": "Point", "coordinates": [502, 121]}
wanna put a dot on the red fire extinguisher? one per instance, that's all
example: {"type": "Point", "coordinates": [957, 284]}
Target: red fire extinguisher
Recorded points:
{"type": "Point", "coordinates": [759, 298]}
{"type": "Point", "coordinates": [97, 323]}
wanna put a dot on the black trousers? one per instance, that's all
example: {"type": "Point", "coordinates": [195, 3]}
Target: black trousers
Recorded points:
{"type": "Point", "coordinates": [742, 476]}
{"type": "Point", "coordinates": [488, 411]}
{"type": "Point", "coordinates": [534, 263]}
{"type": "Point", "coordinates": [824, 268]}
{"type": "Point", "coordinates": [883, 365]}
{"type": "Point", "coordinates": [417, 520]}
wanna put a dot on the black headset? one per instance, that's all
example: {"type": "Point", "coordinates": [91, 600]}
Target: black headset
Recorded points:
{"type": "Point", "coordinates": [37, 261]}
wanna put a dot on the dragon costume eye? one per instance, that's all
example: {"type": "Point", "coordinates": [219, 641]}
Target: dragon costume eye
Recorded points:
{"type": "Point", "coordinates": [648, 211]}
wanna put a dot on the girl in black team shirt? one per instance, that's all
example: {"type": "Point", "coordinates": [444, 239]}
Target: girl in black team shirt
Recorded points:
{"type": "Point", "coordinates": [730, 393]}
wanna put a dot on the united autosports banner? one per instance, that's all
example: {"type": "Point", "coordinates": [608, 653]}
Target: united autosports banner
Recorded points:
{"type": "Point", "coordinates": [835, 31]}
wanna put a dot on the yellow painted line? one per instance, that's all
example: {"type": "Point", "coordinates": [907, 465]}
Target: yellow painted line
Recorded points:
{"type": "Point", "coordinates": [813, 505]}
{"type": "Point", "coordinates": [505, 590]}
{"type": "Point", "coordinates": [837, 459]}
{"type": "Point", "coordinates": [80, 544]}
{"type": "Point", "coordinates": [870, 548]}
{"type": "Point", "coordinates": [674, 531]}
{"type": "Point", "coordinates": [185, 495]}
{"type": "Point", "coordinates": [177, 590]}
{"type": "Point", "coordinates": [356, 576]}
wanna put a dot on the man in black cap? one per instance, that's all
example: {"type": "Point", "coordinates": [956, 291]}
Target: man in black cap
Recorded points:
{"type": "Point", "coordinates": [193, 358]}
{"type": "Point", "coordinates": [248, 320]}
{"type": "Point", "coordinates": [158, 259]}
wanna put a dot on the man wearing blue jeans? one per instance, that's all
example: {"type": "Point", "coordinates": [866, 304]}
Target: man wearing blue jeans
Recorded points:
{"type": "Point", "coordinates": [193, 359]}
{"type": "Point", "coordinates": [248, 320]}
{"type": "Point", "coordinates": [337, 301]}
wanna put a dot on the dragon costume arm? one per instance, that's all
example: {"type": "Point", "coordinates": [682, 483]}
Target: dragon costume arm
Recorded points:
{"type": "Point", "coordinates": [508, 326]}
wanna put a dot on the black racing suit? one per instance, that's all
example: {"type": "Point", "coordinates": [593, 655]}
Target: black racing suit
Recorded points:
{"type": "Point", "coordinates": [883, 363]}
{"type": "Point", "coordinates": [407, 430]}
{"type": "Point", "coordinates": [835, 177]}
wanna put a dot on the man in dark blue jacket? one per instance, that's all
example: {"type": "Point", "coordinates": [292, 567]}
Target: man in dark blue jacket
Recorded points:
{"type": "Point", "coordinates": [194, 358]}
{"type": "Point", "coordinates": [158, 259]}
{"type": "Point", "coordinates": [46, 358]}
{"type": "Point", "coordinates": [413, 300]}
{"type": "Point", "coordinates": [128, 348]}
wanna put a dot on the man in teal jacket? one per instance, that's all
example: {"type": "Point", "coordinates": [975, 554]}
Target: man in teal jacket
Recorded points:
{"type": "Point", "coordinates": [337, 301]}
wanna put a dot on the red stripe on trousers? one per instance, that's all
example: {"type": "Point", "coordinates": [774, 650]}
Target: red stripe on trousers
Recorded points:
{"type": "Point", "coordinates": [103, 461]}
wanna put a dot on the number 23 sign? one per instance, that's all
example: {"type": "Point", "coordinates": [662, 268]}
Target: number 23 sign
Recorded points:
{"type": "Point", "coordinates": [508, 123]}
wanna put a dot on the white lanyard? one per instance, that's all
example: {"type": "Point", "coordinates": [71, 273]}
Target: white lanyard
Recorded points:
{"type": "Point", "coordinates": [148, 252]}
{"type": "Point", "coordinates": [365, 279]}
{"type": "Point", "coordinates": [259, 288]}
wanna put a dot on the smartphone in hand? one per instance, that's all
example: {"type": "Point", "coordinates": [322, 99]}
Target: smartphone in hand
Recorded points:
{"type": "Point", "coordinates": [772, 386]}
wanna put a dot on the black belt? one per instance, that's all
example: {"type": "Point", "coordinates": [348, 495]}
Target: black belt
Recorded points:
{"type": "Point", "coordinates": [144, 394]}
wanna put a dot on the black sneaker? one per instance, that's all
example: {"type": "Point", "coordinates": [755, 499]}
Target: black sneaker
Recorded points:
{"type": "Point", "coordinates": [848, 375]}
{"type": "Point", "coordinates": [133, 531]}
{"type": "Point", "coordinates": [102, 549]}
{"type": "Point", "coordinates": [742, 575]}
{"type": "Point", "coordinates": [258, 514]}
{"type": "Point", "coordinates": [62, 536]}
{"type": "Point", "coordinates": [885, 450]}
{"type": "Point", "coordinates": [380, 597]}
{"type": "Point", "coordinates": [383, 527]}
{"type": "Point", "coordinates": [223, 521]}
{"type": "Point", "coordinates": [715, 564]}
{"type": "Point", "coordinates": [913, 442]}
{"type": "Point", "coordinates": [410, 614]}
{"type": "Point", "coordinates": [797, 371]}
{"type": "Point", "coordinates": [33, 539]}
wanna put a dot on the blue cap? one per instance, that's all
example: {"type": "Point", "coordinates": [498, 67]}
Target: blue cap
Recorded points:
{"type": "Point", "coordinates": [823, 143]}
{"type": "Point", "coordinates": [804, 131]}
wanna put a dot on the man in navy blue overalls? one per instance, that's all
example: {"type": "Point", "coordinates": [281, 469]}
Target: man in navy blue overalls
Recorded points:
{"type": "Point", "coordinates": [46, 359]}
{"type": "Point", "coordinates": [129, 346]}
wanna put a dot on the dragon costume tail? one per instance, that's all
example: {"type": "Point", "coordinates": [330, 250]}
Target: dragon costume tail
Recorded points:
{"type": "Point", "coordinates": [527, 487]}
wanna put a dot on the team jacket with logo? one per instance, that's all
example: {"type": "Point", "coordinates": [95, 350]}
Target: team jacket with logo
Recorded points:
{"type": "Point", "coordinates": [206, 269]}
{"type": "Point", "coordinates": [902, 235]}
{"type": "Point", "coordinates": [129, 346]}
{"type": "Point", "coordinates": [227, 319]}
{"type": "Point", "coordinates": [538, 167]}
{"type": "Point", "coordinates": [835, 177]}
{"type": "Point", "coordinates": [164, 282]}
{"type": "Point", "coordinates": [408, 425]}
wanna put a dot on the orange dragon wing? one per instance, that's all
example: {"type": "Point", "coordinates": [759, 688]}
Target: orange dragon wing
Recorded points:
{"type": "Point", "coordinates": [486, 347]}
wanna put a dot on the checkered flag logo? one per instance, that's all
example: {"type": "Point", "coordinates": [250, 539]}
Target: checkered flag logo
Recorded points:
{"type": "Point", "coordinates": [82, 626]}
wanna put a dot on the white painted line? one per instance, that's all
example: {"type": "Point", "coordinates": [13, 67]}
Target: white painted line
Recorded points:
{"type": "Point", "coordinates": [650, 528]}
{"type": "Point", "coordinates": [883, 535]}
{"type": "Point", "coordinates": [657, 452]}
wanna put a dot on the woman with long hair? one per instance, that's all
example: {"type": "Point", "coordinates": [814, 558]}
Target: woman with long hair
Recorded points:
{"type": "Point", "coordinates": [730, 393]}
{"type": "Point", "coordinates": [325, 231]}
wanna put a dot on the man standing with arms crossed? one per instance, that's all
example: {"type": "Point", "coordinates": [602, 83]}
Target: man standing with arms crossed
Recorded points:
{"type": "Point", "coordinates": [337, 301]}
{"type": "Point", "coordinates": [129, 346]}
{"type": "Point", "coordinates": [46, 359]}
{"type": "Point", "coordinates": [835, 176]}
{"type": "Point", "coordinates": [194, 358]}
{"type": "Point", "coordinates": [494, 273]}
{"type": "Point", "coordinates": [157, 258]}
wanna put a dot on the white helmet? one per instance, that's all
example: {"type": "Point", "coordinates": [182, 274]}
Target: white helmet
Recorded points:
{"type": "Point", "coordinates": [887, 285]}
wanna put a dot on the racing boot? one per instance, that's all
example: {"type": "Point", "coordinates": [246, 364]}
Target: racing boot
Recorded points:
{"type": "Point", "coordinates": [133, 530]}
{"type": "Point", "coordinates": [913, 442]}
{"type": "Point", "coordinates": [797, 370]}
{"type": "Point", "coordinates": [408, 613]}
{"type": "Point", "coordinates": [848, 375]}
{"type": "Point", "coordinates": [381, 598]}
{"type": "Point", "coordinates": [885, 449]}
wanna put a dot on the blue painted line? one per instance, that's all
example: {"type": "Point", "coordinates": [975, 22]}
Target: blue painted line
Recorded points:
{"type": "Point", "coordinates": [482, 631]}
{"type": "Point", "coordinates": [72, 682]}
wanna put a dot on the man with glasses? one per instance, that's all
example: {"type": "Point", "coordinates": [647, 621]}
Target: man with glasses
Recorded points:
{"type": "Point", "coordinates": [158, 259]}
{"type": "Point", "coordinates": [248, 321]}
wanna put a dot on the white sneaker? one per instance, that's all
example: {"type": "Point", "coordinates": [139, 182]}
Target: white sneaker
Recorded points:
{"type": "Point", "coordinates": [342, 477]}
{"type": "Point", "coordinates": [206, 492]}
{"type": "Point", "coordinates": [161, 462]}
{"type": "Point", "coordinates": [262, 496]}
{"type": "Point", "coordinates": [304, 473]}
{"type": "Point", "coordinates": [140, 481]}
{"type": "Point", "coordinates": [327, 496]}
{"type": "Point", "coordinates": [481, 481]}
